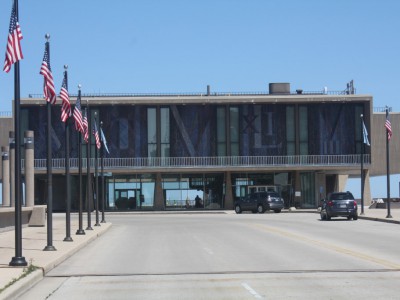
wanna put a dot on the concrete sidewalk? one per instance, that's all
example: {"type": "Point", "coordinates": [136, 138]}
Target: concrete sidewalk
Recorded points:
{"type": "Point", "coordinates": [34, 240]}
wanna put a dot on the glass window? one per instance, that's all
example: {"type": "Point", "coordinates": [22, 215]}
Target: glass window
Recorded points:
{"type": "Point", "coordinates": [165, 132]}
{"type": "Point", "coordinates": [303, 120]}
{"type": "Point", "coordinates": [123, 134]}
{"type": "Point", "coordinates": [290, 131]}
{"type": "Point", "coordinates": [151, 132]}
{"type": "Point", "coordinates": [234, 130]}
{"type": "Point", "coordinates": [221, 131]}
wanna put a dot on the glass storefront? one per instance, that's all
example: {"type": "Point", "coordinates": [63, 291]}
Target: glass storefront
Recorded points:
{"type": "Point", "coordinates": [246, 183]}
{"type": "Point", "coordinates": [130, 192]}
{"type": "Point", "coordinates": [193, 191]}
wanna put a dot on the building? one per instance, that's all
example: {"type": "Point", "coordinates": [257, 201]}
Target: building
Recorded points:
{"type": "Point", "coordinates": [166, 150]}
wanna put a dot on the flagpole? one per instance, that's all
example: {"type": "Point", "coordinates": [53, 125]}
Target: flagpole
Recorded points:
{"type": "Point", "coordinates": [96, 171]}
{"type": "Point", "coordinates": [387, 168]}
{"type": "Point", "coordinates": [80, 230]}
{"type": "Point", "coordinates": [49, 246]}
{"type": "Point", "coordinates": [67, 173]}
{"type": "Point", "coordinates": [88, 182]}
{"type": "Point", "coordinates": [103, 220]}
{"type": "Point", "coordinates": [362, 163]}
{"type": "Point", "coordinates": [18, 259]}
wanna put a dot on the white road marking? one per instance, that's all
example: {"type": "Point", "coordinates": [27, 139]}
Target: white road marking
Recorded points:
{"type": "Point", "coordinates": [251, 291]}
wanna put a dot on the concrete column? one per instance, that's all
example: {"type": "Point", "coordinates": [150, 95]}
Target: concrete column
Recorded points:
{"type": "Point", "coordinates": [367, 189]}
{"type": "Point", "coordinates": [5, 175]}
{"type": "Point", "coordinates": [29, 169]}
{"type": "Point", "coordinates": [228, 204]}
{"type": "Point", "coordinates": [11, 140]}
{"type": "Point", "coordinates": [159, 203]}
{"type": "Point", "coordinates": [341, 182]}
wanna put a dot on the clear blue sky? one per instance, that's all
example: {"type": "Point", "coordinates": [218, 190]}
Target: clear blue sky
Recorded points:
{"type": "Point", "coordinates": [182, 46]}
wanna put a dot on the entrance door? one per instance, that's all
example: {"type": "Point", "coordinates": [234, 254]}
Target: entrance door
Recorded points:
{"type": "Point", "coordinates": [127, 199]}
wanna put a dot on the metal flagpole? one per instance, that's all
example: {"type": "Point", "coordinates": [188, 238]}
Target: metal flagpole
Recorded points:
{"type": "Point", "coordinates": [88, 184]}
{"type": "Point", "coordinates": [67, 173]}
{"type": "Point", "coordinates": [80, 230]}
{"type": "Point", "coordinates": [18, 259]}
{"type": "Point", "coordinates": [49, 246]}
{"type": "Point", "coordinates": [103, 196]}
{"type": "Point", "coordinates": [387, 168]}
{"type": "Point", "coordinates": [96, 171]}
{"type": "Point", "coordinates": [362, 164]}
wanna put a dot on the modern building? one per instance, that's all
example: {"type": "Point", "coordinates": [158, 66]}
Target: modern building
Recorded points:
{"type": "Point", "coordinates": [166, 150]}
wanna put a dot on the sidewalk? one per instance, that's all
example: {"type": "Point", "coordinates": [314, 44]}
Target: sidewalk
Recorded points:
{"type": "Point", "coordinates": [34, 240]}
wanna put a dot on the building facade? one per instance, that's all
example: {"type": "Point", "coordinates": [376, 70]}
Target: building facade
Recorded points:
{"type": "Point", "coordinates": [204, 151]}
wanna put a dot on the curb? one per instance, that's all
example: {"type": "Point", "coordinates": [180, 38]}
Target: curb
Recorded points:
{"type": "Point", "coordinates": [24, 284]}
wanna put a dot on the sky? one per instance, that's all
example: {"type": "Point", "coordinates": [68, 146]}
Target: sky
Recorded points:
{"type": "Point", "coordinates": [181, 46]}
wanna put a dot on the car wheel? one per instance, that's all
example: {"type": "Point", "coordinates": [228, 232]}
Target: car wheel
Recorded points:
{"type": "Point", "coordinates": [277, 211]}
{"type": "Point", "coordinates": [349, 217]}
{"type": "Point", "coordinates": [328, 217]}
{"type": "Point", "coordinates": [254, 211]}
{"type": "Point", "coordinates": [260, 209]}
{"type": "Point", "coordinates": [355, 217]}
{"type": "Point", "coordinates": [238, 210]}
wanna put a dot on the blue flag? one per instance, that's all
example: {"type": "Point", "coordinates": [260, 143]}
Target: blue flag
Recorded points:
{"type": "Point", "coordinates": [365, 134]}
{"type": "Point", "coordinates": [103, 138]}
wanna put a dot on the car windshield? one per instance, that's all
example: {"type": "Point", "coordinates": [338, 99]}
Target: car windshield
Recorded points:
{"type": "Point", "coordinates": [342, 196]}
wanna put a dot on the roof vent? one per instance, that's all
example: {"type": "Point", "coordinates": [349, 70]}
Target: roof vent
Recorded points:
{"type": "Point", "coordinates": [279, 88]}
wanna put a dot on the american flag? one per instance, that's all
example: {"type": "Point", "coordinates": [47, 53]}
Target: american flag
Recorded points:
{"type": "Point", "coordinates": [45, 70]}
{"type": "Point", "coordinates": [66, 105]}
{"type": "Point", "coordinates": [78, 115]}
{"type": "Point", "coordinates": [85, 128]}
{"type": "Point", "coordinates": [388, 126]}
{"type": "Point", "coordinates": [96, 135]}
{"type": "Point", "coordinates": [13, 50]}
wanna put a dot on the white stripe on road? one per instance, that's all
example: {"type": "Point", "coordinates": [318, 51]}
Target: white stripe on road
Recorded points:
{"type": "Point", "coordinates": [251, 291]}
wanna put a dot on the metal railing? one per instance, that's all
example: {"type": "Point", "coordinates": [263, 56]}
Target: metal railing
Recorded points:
{"type": "Point", "coordinates": [211, 162]}
{"type": "Point", "coordinates": [195, 94]}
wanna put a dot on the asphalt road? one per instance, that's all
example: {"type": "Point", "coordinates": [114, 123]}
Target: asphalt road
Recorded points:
{"type": "Point", "coordinates": [228, 256]}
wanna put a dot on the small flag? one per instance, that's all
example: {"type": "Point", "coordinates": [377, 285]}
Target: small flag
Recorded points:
{"type": "Point", "coordinates": [66, 105]}
{"type": "Point", "coordinates": [85, 128]}
{"type": "Point", "coordinates": [96, 135]}
{"type": "Point", "coordinates": [78, 115]}
{"type": "Point", "coordinates": [388, 126]}
{"type": "Point", "coordinates": [103, 139]}
{"type": "Point", "coordinates": [365, 134]}
{"type": "Point", "coordinates": [45, 70]}
{"type": "Point", "coordinates": [13, 50]}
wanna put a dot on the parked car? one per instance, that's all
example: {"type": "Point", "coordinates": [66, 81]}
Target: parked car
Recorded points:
{"type": "Point", "coordinates": [259, 202]}
{"type": "Point", "coordinates": [339, 205]}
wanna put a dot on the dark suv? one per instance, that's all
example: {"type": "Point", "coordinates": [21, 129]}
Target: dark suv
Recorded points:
{"type": "Point", "coordinates": [339, 205]}
{"type": "Point", "coordinates": [260, 202]}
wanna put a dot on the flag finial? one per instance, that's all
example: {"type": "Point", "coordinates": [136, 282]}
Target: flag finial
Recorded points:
{"type": "Point", "coordinates": [79, 86]}
{"type": "Point", "coordinates": [47, 36]}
